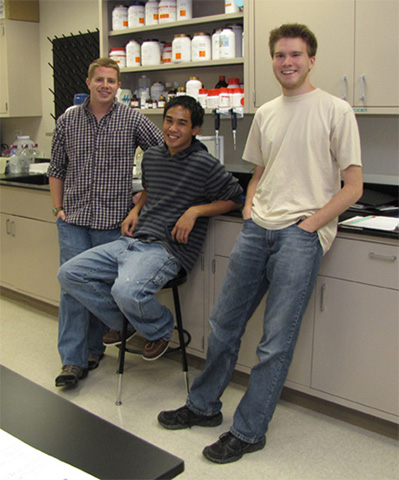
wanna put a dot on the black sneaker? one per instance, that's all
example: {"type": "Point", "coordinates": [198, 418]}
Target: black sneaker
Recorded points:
{"type": "Point", "coordinates": [70, 374]}
{"type": "Point", "coordinates": [230, 448]}
{"type": "Point", "coordinates": [185, 418]}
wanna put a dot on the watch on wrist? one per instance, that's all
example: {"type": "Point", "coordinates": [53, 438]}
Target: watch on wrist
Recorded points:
{"type": "Point", "coordinates": [56, 210]}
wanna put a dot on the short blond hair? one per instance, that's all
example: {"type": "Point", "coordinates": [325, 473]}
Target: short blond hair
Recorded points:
{"type": "Point", "coordinates": [103, 62]}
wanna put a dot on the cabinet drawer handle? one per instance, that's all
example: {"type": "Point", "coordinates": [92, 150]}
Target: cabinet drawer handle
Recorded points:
{"type": "Point", "coordinates": [322, 294]}
{"type": "Point", "coordinates": [362, 87]}
{"type": "Point", "coordinates": [8, 226]}
{"type": "Point", "coordinates": [387, 258]}
{"type": "Point", "coordinates": [343, 87]}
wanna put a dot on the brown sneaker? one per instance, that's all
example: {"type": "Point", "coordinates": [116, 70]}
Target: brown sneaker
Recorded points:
{"type": "Point", "coordinates": [70, 374]}
{"type": "Point", "coordinates": [154, 350]}
{"type": "Point", "coordinates": [113, 337]}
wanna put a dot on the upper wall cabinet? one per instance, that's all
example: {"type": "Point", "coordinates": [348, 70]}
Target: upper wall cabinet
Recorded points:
{"type": "Point", "coordinates": [357, 57]}
{"type": "Point", "coordinates": [20, 92]}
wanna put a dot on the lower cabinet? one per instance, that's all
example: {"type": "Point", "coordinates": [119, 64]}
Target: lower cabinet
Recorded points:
{"type": "Point", "coordinates": [29, 246]}
{"type": "Point", "coordinates": [347, 350]}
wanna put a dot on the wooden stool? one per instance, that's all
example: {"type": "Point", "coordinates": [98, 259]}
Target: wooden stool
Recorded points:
{"type": "Point", "coordinates": [184, 336]}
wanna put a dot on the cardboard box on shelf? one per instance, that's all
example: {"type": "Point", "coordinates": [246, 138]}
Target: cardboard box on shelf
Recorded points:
{"type": "Point", "coordinates": [26, 10]}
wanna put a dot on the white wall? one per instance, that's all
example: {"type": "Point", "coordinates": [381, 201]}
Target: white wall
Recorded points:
{"type": "Point", "coordinates": [57, 18]}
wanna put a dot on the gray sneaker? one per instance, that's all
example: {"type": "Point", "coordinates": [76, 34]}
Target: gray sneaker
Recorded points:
{"type": "Point", "coordinates": [70, 374]}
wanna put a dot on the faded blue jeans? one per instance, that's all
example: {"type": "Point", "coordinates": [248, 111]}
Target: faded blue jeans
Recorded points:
{"type": "Point", "coordinates": [283, 263]}
{"type": "Point", "coordinates": [74, 318]}
{"type": "Point", "coordinates": [120, 279]}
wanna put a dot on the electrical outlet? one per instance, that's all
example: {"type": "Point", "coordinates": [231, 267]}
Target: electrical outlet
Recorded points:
{"type": "Point", "coordinates": [17, 133]}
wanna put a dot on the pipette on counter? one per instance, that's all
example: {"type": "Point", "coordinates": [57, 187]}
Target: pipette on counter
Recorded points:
{"type": "Point", "coordinates": [234, 127]}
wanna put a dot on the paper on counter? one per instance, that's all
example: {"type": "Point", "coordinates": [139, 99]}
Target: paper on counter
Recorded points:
{"type": "Point", "coordinates": [388, 224]}
{"type": "Point", "coordinates": [20, 461]}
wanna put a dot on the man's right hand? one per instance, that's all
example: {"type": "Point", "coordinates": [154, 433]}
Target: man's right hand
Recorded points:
{"type": "Point", "coordinates": [129, 224]}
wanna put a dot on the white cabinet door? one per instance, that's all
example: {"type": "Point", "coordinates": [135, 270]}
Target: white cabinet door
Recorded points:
{"type": "Point", "coordinates": [332, 21]}
{"type": "Point", "coordinates": [30, 258]}
{"type": "Point", "coordinates": [377, 53]}
{"type": "Point", "coordinates": [356, 352]}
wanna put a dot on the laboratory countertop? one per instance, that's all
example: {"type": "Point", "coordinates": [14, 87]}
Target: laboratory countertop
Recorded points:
{"type": "Point", "coordinates": [37, 181]}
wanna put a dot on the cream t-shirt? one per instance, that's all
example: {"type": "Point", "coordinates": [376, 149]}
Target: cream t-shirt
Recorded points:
{"type": "Point", "coordinates": [303, 142]}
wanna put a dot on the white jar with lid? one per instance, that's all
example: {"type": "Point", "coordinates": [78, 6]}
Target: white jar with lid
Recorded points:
{"type": "Point", "coordinates": [193, 87]}
{"type": "Point", "coordinates": [184, 10]}
{"type": "Point", "coordinates": [156, 90]}
{"type": "Point", "coordinates": [237, 29]}
{"type": "Point", "coordinates": [230, 6]}
{"type": "Point", "coordinates": [119, 17]}
{"type": "Point", "coordinates": [201, 47]}
{"type": "Point", "coordinates": [150, 53]}
{"type": "Point", "coordinates": [133, 54]}
{"type": "Point", "coordinates": [224, 98]}
{"type": "Point", "coordinates": [167, 11]}
{"type": "Point", "coordinates": [227, 43]}
{"type": "Point", "coordinates": [215, 44]}
{"type": "Point", "coordinates": [181, 48]}
{"type": "Point", "coordinates": [151, 12]}
{"type": "Point", "coordinates": [202, 96]}
{"type": "Point", "coordinates": [212, 99]}
{"type": "Point", "coordinates": [119, 56]}
{"type": "Point", "coordinates": [136, 14]}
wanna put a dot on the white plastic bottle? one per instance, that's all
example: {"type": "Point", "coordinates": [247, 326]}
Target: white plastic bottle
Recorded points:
{"type": "Point", "coordinates": [119, 56]}
{"type": "Point", "coordinates": [156, 90]}
{"type": "Point", "coordinates": [230, 6]}
{"type": "Point", "coordinates": [184, 10]}
{"type": "Point", "coordinates": [181, 48]}
{"type": "Point", "coordinates": [151, 12]}
{"type": "Point", "coordinates": [167, 11]}
{"type": "Point", "coordinates": [136, 15]}
{"type": "Point", "coordinates": [150, 52]}
{"type": "Point", "coordinates": [215, 44]}
{"type": "Point", "coordinates": [237, 29]}
{"type": "Point", "coordinates": [201, 49]}
{"type": "Point", "coordinates": [133, 54]}
{"type": "Point", "coordinates": [227, 43]}
{"type": "Point", "coordinates": [193, 87]}
{"type": "Point", "coordinates": [119, 17]}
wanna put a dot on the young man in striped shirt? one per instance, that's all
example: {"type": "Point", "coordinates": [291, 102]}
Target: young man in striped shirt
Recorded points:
{"type": "Point", "coordinates": [183, 186]}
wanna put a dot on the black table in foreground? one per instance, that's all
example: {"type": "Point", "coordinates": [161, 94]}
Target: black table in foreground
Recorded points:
{"type": "Point", "coordinates": [59, 428]}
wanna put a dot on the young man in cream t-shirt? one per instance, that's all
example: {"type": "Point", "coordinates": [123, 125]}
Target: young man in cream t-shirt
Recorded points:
{"type": "Point", "coordinates": [300, 143]}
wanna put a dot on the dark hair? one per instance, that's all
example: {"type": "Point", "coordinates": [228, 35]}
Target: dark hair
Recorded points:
{"type": "Point", "coordinates": [293, 30]}
{"type": "Point", "coordinates": [185, 101]}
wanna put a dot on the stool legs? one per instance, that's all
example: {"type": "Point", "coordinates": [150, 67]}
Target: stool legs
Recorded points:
{"type": "Point", "coordinates": [181, 336]}
{"type": "Point", "coordinates": [122, 352]}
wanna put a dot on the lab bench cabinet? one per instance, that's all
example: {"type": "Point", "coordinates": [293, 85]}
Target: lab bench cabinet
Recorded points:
{"type": "Point", "coordinates": [29, 244]}
{"type": "Point", "coordinates": [358, 39]}
{"type": "Point", "coordinates": [347, 350]}
{"type": "Point", "coordinates": [355, 355]}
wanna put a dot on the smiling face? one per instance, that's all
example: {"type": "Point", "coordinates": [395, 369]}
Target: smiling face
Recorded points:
{"type": "Point", "coordinates": [292, 65]}
{"type": "Point", "coordinates": [103, 85]}
{"type": "Point", "coordinates": [177, 129]}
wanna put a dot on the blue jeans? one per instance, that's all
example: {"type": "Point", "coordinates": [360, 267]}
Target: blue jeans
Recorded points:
{"type": "Point", "coordinates": [74, 318]}
{"type": "Point", "coordinates": [283, 263]}
{"type": "Point", "coordinates": [119, 280]}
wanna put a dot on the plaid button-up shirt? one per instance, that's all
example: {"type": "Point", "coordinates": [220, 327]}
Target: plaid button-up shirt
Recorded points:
{"type": "Point", "coordinates": [95, 160]}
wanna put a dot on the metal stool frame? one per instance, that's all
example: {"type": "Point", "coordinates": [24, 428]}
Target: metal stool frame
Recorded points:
{"type": "Point", "coordinates": [184, 336]}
